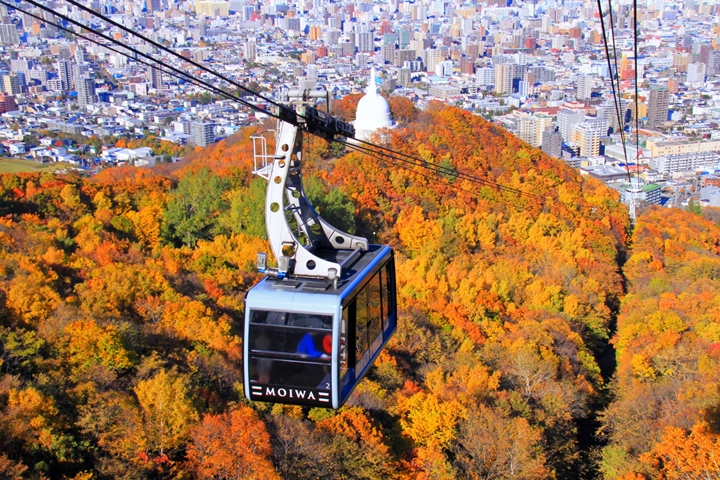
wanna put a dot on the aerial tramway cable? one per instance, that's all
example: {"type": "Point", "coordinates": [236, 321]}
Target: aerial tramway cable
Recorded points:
{"type": "Point", "coordinates": [173, 70]}
{"type": "Point", "coordinates": [179, 74]}
{"type": "Point", "coordinates": [616, 99]}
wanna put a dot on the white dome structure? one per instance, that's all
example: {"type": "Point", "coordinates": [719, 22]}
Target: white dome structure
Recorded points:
{"type": "Point", "coordinates": [373, 112]}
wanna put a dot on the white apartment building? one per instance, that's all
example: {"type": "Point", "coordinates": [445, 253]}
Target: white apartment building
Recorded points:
{"type": "Point", "coordinates": [566, 118]}
{"type": "Point", "coordinates": [676, 163]}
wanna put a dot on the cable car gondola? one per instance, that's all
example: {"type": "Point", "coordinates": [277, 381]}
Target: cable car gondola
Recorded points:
{"type": "Point", "coordinates": [317, 322]}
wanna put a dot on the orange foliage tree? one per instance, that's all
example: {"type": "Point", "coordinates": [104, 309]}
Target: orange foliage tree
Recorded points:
{"type": "Point", "coordinates": [231, 445]}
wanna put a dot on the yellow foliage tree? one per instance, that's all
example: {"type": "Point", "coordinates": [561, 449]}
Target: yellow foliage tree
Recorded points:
{"type": "Point", "coordinates": [168, 413]}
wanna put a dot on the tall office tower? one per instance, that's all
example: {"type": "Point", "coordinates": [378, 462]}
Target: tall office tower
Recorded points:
{"type": "Point", "coordinates": [523, 89]}
{"type": "Point", "coordinates": [80, 55]}
{"type": "Point", "coordinates": [50, 30]}
{"type": "Point", "coordinates": [566, 118]}
{"type": "Point", "coordinates": [389, 39]}
{"type": "Point", "coordinates": [527, 127]}
{"type": "Point", "coordinates": [703, 52]}
{"type": "Point", "coordinates": [315, 32]}
{"type": "Point", "coordinates": [156, 78]}
{"type": "Point", "coordinates": [202, 134]}
{"type": "Point", "coordinates": [607, 112]}
{"type": "Point", "coordinates": [27, 21]}
{"type": "Point", "coordinates": [584, 87]}
{"type": "Point", "coordinates": [658, 101]}
{"type": "Point", "coordinates": [65, 74]}
{"type": "Point", "coordinates": [85, 91]}
{"type": "Point", "coordinates": [250, 50]}
{"type": "Point", "coordinates": [504, 78]}
{"type": "Point", "coordinates": [365, 42]}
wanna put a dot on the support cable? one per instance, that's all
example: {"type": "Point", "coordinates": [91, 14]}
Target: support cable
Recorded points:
{"type": "Point", "coordinates": [612, 83]}
{"type": "Point", "coordinates": [179, 74]}
{"type": "Point", "coordinates": [170, 51]}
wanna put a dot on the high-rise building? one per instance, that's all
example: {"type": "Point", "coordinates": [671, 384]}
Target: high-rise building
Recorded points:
{"type": "Point", "coordinates": [584, 87]}
{"type": "Point", "coordinates": [156, 78]}
{"type": "Point", "coordinates": [315, 32]}
{"type": "Point", "coordinates": [388, 53]}
{"type": "Point", "coordinates": [485, 76]}
{"type": "Point", "coordinates": [431, 57]}
{"type": "Point", "coordinates": [85, 91]}
{"type": "Point", "coordinates": [531, 127]}
{"type": "Point", "coordinates": [202, 134]}
{"type": "Point", "coordinates": [552, 142]}
{"type": "Point", "coordinates": [7, 103]}
{"type": "Point", "coordinates": [504, 78]}
{"type": "Point", "coordinates": [402, 56]}
{"type": "Point", "coordinates": [467, 65]}
{"type": "Point", "coordinates": [14, 83]}
{"type": "Point", "coordinates": [21, 65]}
{"type": "Point", "coordinates": [9, 34]}
{"type": "Point", "coordinates": [566, 118]}
{"type": "Point", "coordinates": [332, 36]}
{"type": "Point", "coordinates": [587, 135]}
{"type": "Point", "coordinates": [77, 73]}
{"type": "Point", "coordinates": [64, 69]}
{"type": "Point", "coordinates": [212, 8]}
{"type": "Point", "coordinates": [713, 63]}
{"type": "Point", "coordinates": [365, 42]}
{"type": "Point", "coordinates": [404, 77]}
{"type": "Point", "coordinates": [658, 101]}
{"type": "Point", "coordinates": [543, 74]}
{"type": "Point", "coordinates": [695, 73]}
{"type": "Point", "coordinates": [251, 50]}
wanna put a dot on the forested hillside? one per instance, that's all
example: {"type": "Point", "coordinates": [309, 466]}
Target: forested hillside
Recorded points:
{"type": "Point", "coordinates": [121, 308]}
{"type": "Point", "coordinates": [665, 418]}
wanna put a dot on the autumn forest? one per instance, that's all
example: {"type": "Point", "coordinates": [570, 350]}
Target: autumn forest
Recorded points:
{"type": "Point", "coordinates": [537, 337]}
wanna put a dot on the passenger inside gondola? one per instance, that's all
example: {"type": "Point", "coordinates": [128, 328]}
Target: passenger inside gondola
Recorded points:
{"type": "Point", "coordinates": [300, 346]}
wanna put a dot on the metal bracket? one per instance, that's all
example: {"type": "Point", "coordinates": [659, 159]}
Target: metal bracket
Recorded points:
{"type": "Point", "coordinates": [285, 192]}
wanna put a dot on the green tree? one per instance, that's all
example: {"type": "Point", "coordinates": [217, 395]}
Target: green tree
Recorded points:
{"type": "Point", "coordinates": [333, 205]}
{"type": "Point", "coordinates": [247, 209]}
{"type": "Point", "coordinates": [694, 207]}
{"type": "Point", "coordinates": [193, 210]}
